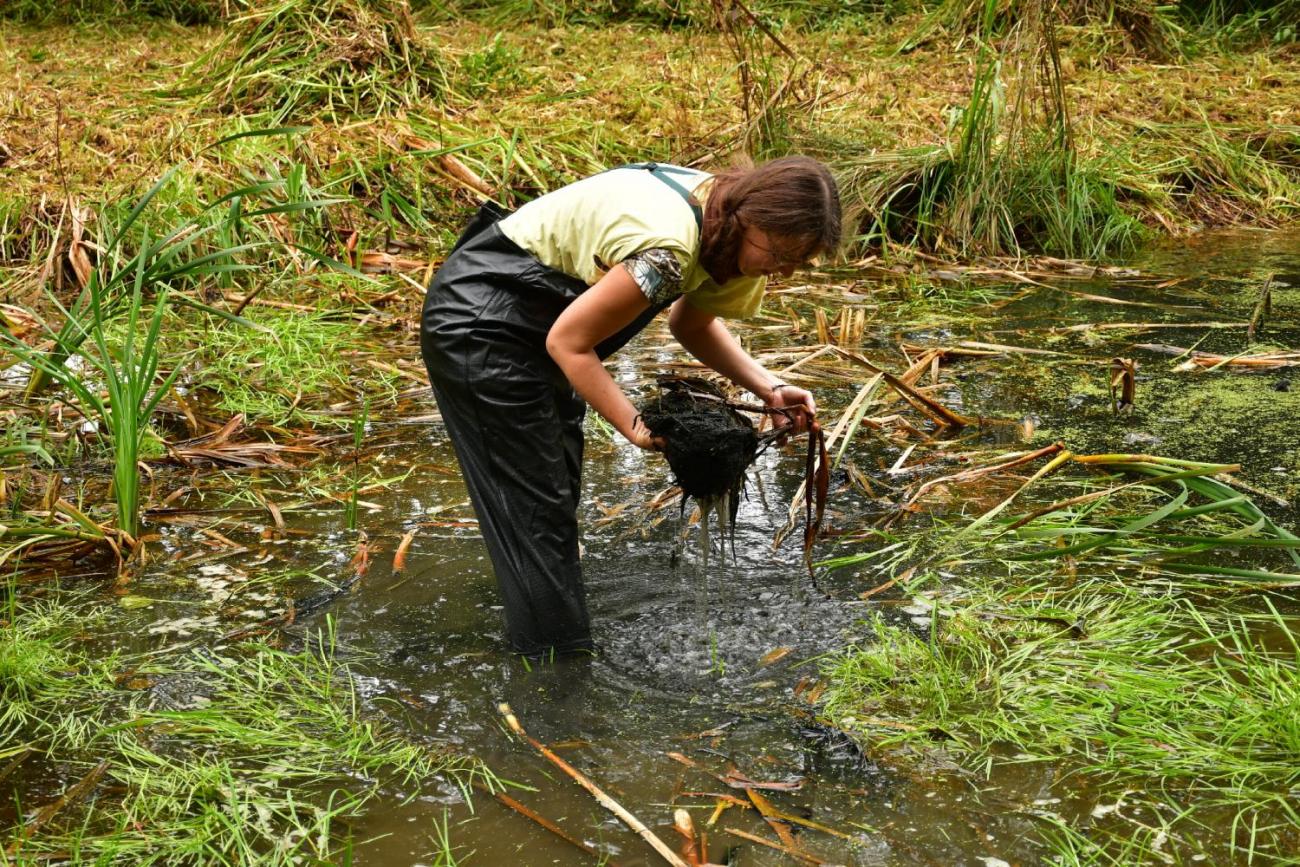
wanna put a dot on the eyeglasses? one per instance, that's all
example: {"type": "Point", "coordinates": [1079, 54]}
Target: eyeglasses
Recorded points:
{"type": "Point", "coordinates": [779, 258]}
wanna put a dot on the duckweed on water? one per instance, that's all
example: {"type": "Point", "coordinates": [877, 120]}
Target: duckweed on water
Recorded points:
{"type": "Point", "coordinates": [1229, 416]}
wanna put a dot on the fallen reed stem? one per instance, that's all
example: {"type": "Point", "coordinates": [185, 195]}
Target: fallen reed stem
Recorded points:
{"type": "Point", "coordinates": [603, 799]}
{"type": "Point", "coordinates": [530, 813]}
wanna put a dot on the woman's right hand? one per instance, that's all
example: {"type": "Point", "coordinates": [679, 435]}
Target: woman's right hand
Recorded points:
{"type": "Point", "coordinates": [798, 403]}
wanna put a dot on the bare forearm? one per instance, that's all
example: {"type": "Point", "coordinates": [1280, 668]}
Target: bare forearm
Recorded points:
{"type": "Point", "coordinates": [613, 302]}
{"type": "Point", "coordinates": [592, 381]}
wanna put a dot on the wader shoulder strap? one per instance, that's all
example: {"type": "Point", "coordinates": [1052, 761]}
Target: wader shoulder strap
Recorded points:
{"type": "Point", "coordinates": [614, 342]}
{"type": "Point", "coordinates": [664, 173]}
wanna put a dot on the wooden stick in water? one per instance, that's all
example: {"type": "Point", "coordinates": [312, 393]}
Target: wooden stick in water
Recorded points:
{"type": "Point", "coordinates": [546, 823]}
{"type": "Point", "coordinates": [754, 838]}
{"type": "Point", "coordinates": [603, 799]}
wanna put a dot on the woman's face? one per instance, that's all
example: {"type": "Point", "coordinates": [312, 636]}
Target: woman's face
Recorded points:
{"type": "Point", "coordinates": [767, 254]}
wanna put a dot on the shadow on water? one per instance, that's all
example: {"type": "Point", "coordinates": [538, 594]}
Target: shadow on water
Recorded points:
{"type": "Point", "coordinates": [713, 665]}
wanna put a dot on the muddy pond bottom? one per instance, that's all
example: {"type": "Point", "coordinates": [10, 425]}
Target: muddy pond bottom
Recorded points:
{"type": "Point", "coordinates": [702, 665]}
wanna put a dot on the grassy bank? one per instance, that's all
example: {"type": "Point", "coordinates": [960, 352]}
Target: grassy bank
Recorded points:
{"type": "Point", "coordinates": [1208, 140]}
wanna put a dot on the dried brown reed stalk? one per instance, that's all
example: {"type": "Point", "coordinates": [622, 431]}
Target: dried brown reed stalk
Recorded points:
{"type": "Point", "coordinates": [1198, 360]}
{"type": "Point", "coordinates": [1123, 385]}
{"type": "Point", "coordinates": [637, 826]}
{"type": "Point", "coordinates": [769, 93]}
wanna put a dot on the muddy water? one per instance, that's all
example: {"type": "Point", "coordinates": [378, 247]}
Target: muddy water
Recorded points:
{"type": "Point", "coordinates": [681, 669]}
{"type": "Point", "coordinates": [708, 664]}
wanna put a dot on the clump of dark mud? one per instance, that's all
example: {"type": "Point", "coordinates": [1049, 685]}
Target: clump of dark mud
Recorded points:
{"type": "Point", "coordinates": [709, 444]}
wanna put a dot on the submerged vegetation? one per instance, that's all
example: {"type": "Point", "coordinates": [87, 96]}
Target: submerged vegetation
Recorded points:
{"type": "Point", "coordinates": [212, 262]}
{"type": "Point", "coordinates": [1111, 661]}
{"type": "Point", "coordinates": [1187, 716]}
{"type": "Point", "coordinates": [240, 754]}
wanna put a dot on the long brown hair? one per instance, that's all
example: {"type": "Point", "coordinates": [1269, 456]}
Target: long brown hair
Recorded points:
{"type": "Point", "coordinates": [791, 197]}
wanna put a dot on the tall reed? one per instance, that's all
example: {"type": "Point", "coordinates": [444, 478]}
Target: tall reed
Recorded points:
{"type": "Point", "coordinates": [170, 258]}
{"type": "Point", "coordinates": [1009, 179]}
{"type": "Point", "coordinates": [134, 265]}
{"type": "Point", "coordinates": [128, 373]}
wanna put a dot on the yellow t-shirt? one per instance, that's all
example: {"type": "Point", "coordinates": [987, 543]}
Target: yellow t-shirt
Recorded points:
{"type": "Point", "coordinates": [587, 227]}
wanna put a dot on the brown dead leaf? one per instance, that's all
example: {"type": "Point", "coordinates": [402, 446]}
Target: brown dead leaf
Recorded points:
{"type": "Point", "coordinates": [376, 262]}
{"type": "Point", "coordinates": [774, 655]}
{"type": "Point", "coordinates": [399, 557]}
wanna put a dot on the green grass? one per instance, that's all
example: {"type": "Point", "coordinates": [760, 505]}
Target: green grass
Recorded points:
{"type": "Point", "coordinates": [156, 252]}
{"type": "Point", "coordinates": [119, 387]}
{"type": "Point", "coordinates": [496, 67]}
{"type": "Point", "coordinates": [1151, 694]}
{"type": "Point", "coordinates": [17, 448]}
{"type": "Point", "coordinates": [245, 756]}
{"type": "Point", "coordinates": [1234, 23]}
{"type": "Point", "coordinates": [287, 370]}
{"type": "Point", "coordinates": [1146, 24]}
{"type": "Point", "coordinates": [16, 231]}
{"type": "Point", "coordinates": [559, 13]}
{"type": "Point", "coordinates": [32, 660]}
{"type": "Point", "coordinates": [1087, 635]}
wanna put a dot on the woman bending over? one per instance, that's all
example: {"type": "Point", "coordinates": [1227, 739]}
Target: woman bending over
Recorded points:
{"type": "Point", "coordinates": [519, 318]}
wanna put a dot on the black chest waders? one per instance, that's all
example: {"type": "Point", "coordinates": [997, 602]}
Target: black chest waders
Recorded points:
{"type": "Point", "coordinates": [515, 421]}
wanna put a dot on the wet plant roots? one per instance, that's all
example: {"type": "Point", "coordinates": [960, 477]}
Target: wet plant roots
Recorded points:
{"type": "Point", "coordinates": [709, 444]}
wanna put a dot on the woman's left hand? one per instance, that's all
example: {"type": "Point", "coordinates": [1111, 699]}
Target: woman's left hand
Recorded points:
{"type": "Point", "coordinates": [799, 404]}
{"type": "Point", "coordinates": [642, 438]}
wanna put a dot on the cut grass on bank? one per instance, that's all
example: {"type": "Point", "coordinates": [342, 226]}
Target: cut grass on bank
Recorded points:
{"type": "Point", "coordinates": [545, 119]}
{"type": "Point", "coordinates": [298, 60]}
{"type": "Point", "coordinates": [87, 11]}
{"type": "Point", "coordinates": [1011, 178]}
